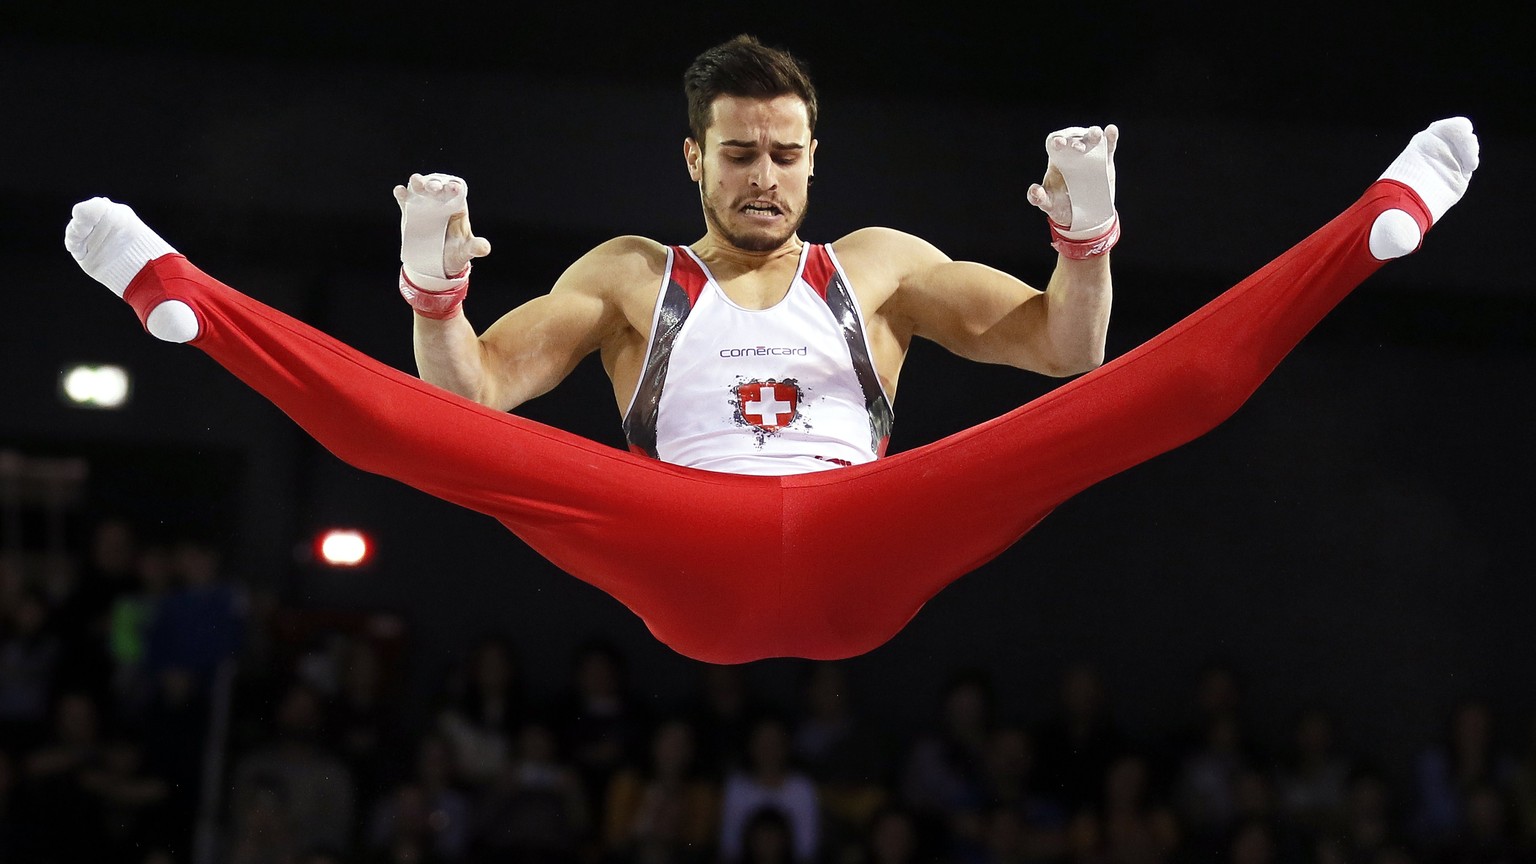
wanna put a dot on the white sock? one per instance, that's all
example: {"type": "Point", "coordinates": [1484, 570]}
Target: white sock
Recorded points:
{"type": "Point", "coordinates": [1437, 164]}
{"type": "Point", "coordinates": [112, 244]}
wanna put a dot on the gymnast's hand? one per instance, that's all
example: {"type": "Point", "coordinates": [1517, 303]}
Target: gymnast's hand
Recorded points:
{"type": "Point", "coordinates": [1078, 192]}
{"type": "Point", "coordinates": [435, 237]}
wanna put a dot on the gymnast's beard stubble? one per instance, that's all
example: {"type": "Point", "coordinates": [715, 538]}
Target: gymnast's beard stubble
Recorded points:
{"type": "Point", "coordinates": [759, 240]}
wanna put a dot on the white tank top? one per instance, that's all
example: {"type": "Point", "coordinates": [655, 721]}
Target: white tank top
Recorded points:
{"type": "Point", "coordinates": [782, 390]}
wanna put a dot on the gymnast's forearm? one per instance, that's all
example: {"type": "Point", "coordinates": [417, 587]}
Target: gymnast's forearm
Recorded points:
{"type": "Point", "coordinates": [450, 355]}
{"type": "Point", "coordinates": [1077, 304]}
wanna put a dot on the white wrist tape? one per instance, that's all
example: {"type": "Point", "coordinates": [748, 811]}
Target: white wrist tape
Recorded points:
{"type": "Point", "coordinates": [1090, 179]}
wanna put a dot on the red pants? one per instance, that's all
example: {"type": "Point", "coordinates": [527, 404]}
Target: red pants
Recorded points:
{"type": "Point", "coordinates": [728, 568]}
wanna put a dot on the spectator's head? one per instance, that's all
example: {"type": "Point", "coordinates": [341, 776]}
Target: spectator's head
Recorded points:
{"type": "Point", "coordinates": [768, 748]}
{"type": "Point", "coordinates": [673, 749]}
{"type": "Point", "coordinates": [436, 766]}
{"type": "Point", "coordinates": [1314, 736]}
{"type": "Point", "coordinates": [1126, 784]}
{"type": "Point", "coordinates": [891, 837]}
{"type": "Point", "coordinates": [1004, 832]}
{"type": "Point", "coordinates": [29, 614]}
{"type": "Point", "coordinates": [537, 744]}
{"type": "Point", "coordinates": [1253, 843]}
{"type": "Point", "coordinates": [1487, 816]}
{"type": "Point", "coordinates": [1471, 732]}
{"type": "Point", "coordinates": [77, 722]}
{"type": "Point", "coordinates": [1252, 794]}
{"type": "Point", "coordinates": [113, 547]}
{"type": "Point", "coordinates": [967, 706]}
{"type": "Point", "coordinates": [154, 569]}
{"type": "Point", "coordinates": [1010, 753]}
{"type": "Point", "coordinates": [826, 692]}
{"type": "Point", "coordinates": [300, 713]}
{"type": "Point", "coordinates": [1219, 690]}
{"type": "Point", "coordinates": [725, 689]}
{"type": "Point", "coordinates": [493, 667]}
{"type": "Point", "coordinates": [195, 562]}
{"type": "Point", "coordinates": [1082, 693]}
{"type": "Point", "coordinates": [599, 671]}
{"type": "Point", "coordinates": [361, 672]}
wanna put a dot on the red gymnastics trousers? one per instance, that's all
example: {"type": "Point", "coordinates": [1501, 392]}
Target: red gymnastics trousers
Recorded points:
{"type": "Point", "coordinates": [727, 568]}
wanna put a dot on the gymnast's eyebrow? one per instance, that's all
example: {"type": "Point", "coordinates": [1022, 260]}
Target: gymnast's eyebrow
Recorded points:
{"type": "Point", "coordinates": [777, 145]}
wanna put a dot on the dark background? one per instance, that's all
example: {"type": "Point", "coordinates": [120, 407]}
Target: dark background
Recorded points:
{"type": "Point", "coordinates": [1358, 536]}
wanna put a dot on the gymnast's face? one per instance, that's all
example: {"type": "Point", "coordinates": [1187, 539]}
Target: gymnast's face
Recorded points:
{"type": "Point", "coordinates": [753, 170]}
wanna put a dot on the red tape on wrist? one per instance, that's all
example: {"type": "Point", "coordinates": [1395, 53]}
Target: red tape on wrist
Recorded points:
{"type": "Point", "coordinates": [437, 305]}
{"type": "Point", "coordinates": [1080, 249]}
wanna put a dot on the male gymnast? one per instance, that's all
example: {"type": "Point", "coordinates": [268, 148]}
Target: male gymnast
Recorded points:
{"type": "Point", "coordinates": [757, 514]}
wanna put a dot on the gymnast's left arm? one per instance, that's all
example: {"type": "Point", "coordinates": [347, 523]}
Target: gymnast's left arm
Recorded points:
{"type": "Point", "coordinates": [987, 315]}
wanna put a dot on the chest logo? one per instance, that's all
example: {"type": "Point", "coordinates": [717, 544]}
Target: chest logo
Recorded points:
{"type": "Point", "coordinates": [768, 405]}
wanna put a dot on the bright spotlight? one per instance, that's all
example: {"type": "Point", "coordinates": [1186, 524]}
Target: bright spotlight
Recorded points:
{"type": "Point", "coordinates": [104, 386]}
{"type": "Point", "coordinates": [340, 547]}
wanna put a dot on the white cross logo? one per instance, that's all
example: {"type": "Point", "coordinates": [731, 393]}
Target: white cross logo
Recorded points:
{"type": "Point", "coordinates": [768, 406]}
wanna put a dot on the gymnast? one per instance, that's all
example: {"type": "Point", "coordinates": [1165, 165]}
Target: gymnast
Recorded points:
{"type": "Point", "coordinates": [756, 514]}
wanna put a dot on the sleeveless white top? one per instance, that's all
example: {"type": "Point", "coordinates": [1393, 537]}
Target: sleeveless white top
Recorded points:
{"type": "Point", "coordinates": [782, 390]}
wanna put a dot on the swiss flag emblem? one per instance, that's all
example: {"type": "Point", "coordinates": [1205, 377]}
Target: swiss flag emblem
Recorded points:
{"type": "Point", "coordinates": [768, 404]}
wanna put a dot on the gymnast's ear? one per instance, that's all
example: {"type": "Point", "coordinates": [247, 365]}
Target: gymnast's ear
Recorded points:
{"type": "Point", "coordinates": [693, 154]}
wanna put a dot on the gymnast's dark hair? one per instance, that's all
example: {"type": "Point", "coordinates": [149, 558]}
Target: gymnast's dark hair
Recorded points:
{"type": "Point", "coordinates": [747, 68]}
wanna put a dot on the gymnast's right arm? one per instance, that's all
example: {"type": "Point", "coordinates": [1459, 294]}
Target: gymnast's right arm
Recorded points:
{"type": "Point", "coordinates": [522, 355]}
{"type": "Point", "coordinates": [531, 348]}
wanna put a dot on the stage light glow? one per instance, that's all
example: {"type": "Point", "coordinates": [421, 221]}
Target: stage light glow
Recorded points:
{"type": "Point", "coordinates": [344, 547]}
{"type": "Point", "coordinates": [95, 386]}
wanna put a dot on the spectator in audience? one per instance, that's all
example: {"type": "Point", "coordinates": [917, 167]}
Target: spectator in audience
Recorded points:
{"type": "Point", "coordinates": [130, 622]}
{"type": "Point", "coordinates": [1206, 787]}
{"type": "Point", "coordinates": [1013, 806]}
{"type": "Point", "coordinates": [1127, 826]}
{"type": "Point", "coordinates": [1311, 781]}
{"type": "Point", "coordinates": [769, 780]}
{"type": "Point", "coordinates": [1467, 758]}
{"type": "Point", "coordinates": [1371, 819]}
{"type": "Point", "coordinates": [445, 811]}
{"type": "Point", "coordinates": [668, 812]}
{"type": "Point", "coordinates": [602, 723]}
{"type": "Point", "coordinates": [262, 823]}
{"type": "Point", "coordinates": [767, 838]}
{"type": "Point", "coordinates": [1078, 743]}
{"type": "Point", "coordinates": [201, 622]}
{"type": "Point", "coordinates": [81, 617]}
{"type": "Point", "coordinates": [841, 751]}
{"type": "Point", "coordinates": [943, 767]}
{"type": "Point", "coordinates": [128, 801]}
{"type": "Point", "coordinates": [536, 811]}
{"type": "Point", "coordinates": [362, 718]}
{"type": "Point", "coordinates": [724, 712]}
{"type": "Point", "coordinates": [485, 708]}
{"type": "Point", "coordinates": [1487, 835]}
{"type": "Point", "coordinates": [300, 772]}
{"type": "Point", "coordinates": [891, 837]}
{"type": "Point", "coordinates": [406, 835]}
{"type": "Point", "coordinates": [29, 655]}
{"type": "Point", "coordinates": [1253, 842]}
{"type": "Point", "coordinates": [58, 811]}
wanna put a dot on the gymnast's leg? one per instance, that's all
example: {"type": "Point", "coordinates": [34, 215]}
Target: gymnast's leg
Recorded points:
{"type": "Point", "coordinates": [647, 533]}
{"type": "Point", "coordinates": [942, 510]}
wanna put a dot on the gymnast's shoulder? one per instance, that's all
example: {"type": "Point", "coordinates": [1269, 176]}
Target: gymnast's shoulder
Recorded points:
{"type": "Point", "coordinates": [616, 265]}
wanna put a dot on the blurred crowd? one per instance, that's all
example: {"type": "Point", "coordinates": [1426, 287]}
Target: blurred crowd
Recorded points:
{"type": "Point", "coordinates": [154, 712]}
